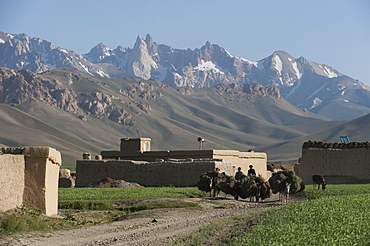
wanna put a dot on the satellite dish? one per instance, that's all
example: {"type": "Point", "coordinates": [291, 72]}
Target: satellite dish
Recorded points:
{"type": "Point", "coordinates": [200, 140]}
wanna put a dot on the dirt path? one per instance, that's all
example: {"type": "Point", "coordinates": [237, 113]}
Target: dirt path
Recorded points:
{"type": "Point", "coordinates": [158, 228]}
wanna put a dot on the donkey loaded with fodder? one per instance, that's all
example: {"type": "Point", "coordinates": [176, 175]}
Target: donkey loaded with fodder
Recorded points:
{"type": "Point", "coordinates": [252, 187]}
{"type": "Point", "coordinates": [285, 183]}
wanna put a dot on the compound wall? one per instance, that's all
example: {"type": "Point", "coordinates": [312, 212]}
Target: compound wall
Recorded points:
{"type": "Point", "coordinates": [344, 165]}
{"type": "Point", "coordinates": [135, 162]}
{"type": "Point", "coordinates": [160, 173]}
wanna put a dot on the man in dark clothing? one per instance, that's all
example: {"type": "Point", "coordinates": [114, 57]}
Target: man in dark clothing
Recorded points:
{"type": "Point", "coordinates": [239, 174]}
{"type": "Point", "coordinates": [251, 171]}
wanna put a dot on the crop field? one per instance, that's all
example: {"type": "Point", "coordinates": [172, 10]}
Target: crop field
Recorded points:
{"type": "Point", "coordinates": [127, 193]}
{"type": "Point", "coordinates": [340, 218]}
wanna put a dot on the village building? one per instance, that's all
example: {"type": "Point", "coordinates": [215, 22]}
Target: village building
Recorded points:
{"type": "Point", "coordinates": [135, 162]}
{"type": "Point", "coordinates": [339, 163]}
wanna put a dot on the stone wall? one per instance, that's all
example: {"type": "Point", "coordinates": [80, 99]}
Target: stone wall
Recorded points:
{"type": "Point", "coordinates": [339, 163]}
{"type": "Point", "coordinates": [178, 172]}
{"type": "Point", "coordinates": [37, 172]}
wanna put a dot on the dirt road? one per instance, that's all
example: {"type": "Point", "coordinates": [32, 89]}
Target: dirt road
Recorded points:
{"type": "Point", "coordinates": [158, 228]}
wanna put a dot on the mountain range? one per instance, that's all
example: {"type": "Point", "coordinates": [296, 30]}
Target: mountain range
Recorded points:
{"type": "Point", "coordinates": [315, 87]}
{"type": "Point", "coordinates": [76, 110]}
{"type": "Point", "coordinates": [74, 113]}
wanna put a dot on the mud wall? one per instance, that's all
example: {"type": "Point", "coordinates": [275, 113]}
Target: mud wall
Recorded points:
{"type": "Point", "coordinates": [338, 163]}
{"type": "Point", "coordinates": [34, 172]}
{"type": "Point", "coordinates": [161, 173]}
{"type": "Point", "coordinates": [235, 157]}
{"type": "Point", "coordinates": [11, 181]}
{"type": "Point", "coordinates": [244, 159]}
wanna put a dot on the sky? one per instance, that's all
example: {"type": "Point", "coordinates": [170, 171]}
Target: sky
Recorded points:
{"type": "Point", "coordinates": [332, 32]}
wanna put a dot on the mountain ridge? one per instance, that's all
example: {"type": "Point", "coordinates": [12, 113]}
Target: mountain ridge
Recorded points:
{"type": "Point", "coordinates": [303, 83]}
{"type": "Point", "coordinates": [95, 112]}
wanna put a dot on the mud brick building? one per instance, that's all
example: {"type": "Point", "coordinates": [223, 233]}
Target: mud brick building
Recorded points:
{"type": "Point", "coordinates": [135, 162]}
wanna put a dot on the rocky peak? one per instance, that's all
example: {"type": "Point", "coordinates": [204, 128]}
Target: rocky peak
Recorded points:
{"type": "Point", "coordinates": [23, 37]}
{"type": "Point", "coordinates": [140, 63]}
{"type": "Point", "coordinates": [152, 46]}
{"type": "Point", "coordinates": [207, 51]}
{"type": "Point", "coordinates": [98, 53]}
{"type": "Point", "coordinates": [254, 88]}
{"type": "Point", "coordinates": [251, 88]}
{"type": "Point", "coordinates": [139, 43]}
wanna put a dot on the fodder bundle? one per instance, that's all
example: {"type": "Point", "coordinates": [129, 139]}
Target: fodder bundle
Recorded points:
{"type": "Point", "coordinates": [279, 180]}
{"type": "Point", "coordinates": [204, 183]}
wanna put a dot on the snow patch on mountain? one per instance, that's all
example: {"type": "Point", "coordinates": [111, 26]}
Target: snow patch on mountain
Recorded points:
{"type": "Point", "coordinates": [295, 67]}
{"type": "Point", "coordinates": [103, 74]}
{"type": "Point", "coordinates": [85, 68]}
{"type": "Point", "coordinates": [228, 53]}
{"type": "Point", "coordinates": [63, 50]}
{"type": "Point", "coordinates": [207, 65]}
{"type": "Point", "coordinates": [278, 64]}
{"type": "Point", "coordinates": [328, 72]}
{"type": "Point", "coordinates": [316, 102]}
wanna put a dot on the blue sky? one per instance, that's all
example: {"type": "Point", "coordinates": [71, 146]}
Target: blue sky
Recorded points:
{"type": "Point", "coordinates": [333, 32]}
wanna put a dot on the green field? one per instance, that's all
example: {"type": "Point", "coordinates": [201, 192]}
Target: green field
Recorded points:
{"type": "Point", "coordinates": [340, 218]}
{"type": "Point", "coordinates": [337, 216]}
{"type": "Point", "coordinates": [127, 193]}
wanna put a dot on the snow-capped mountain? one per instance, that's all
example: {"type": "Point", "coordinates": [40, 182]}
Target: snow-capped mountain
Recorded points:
{"type": "Point", "coordinates": [21, 51]}
{"type": "Point", "coordinates": [316, 87]}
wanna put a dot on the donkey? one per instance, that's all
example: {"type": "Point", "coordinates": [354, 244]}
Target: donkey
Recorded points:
{"type": "Point", "coordinates": [319, 180]}
{"type": "Point", "coordinates": [284, 192]}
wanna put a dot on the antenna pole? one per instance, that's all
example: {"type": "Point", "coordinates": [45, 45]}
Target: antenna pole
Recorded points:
{"type": "Point", "coordinates": [200, 140]}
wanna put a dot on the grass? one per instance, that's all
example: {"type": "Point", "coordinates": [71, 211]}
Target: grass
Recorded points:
{"type": "Point", "coordinates": [127, 193]}
{"type": "Point", "coordinates": [25, 219]}
{"type": "Point", "coordinates": [341, 190]}
{"type": "Point", "coordinates": [341, 220]}
{"type": "Point", "coordinates": [89, 206]}
{"type": "Point", "coordinates": [337, 216]}
{"type": "Point", "coordinates": [86, 205]}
